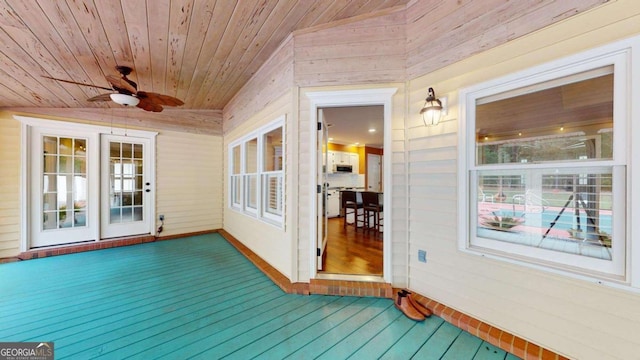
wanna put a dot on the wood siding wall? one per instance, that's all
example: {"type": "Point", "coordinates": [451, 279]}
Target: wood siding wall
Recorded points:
{"type": "Point", "coordinates": [364, 52]}
{"type": "Point", "coordinates": [272, 243]}
{"type": "Point", "coordinates": [9, 186]}
{"type": "Point", "coordinates": [189, 183]}
{"type": "Point", "coordinates": [576, 318]}
{"type": "Point", "coordinates": [271, 82]}
{"type": "Point", "coordinates": [440, 33]}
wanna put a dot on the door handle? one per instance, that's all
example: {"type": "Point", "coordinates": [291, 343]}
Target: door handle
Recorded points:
{"type": "Point", "coordinates": [148, 190]}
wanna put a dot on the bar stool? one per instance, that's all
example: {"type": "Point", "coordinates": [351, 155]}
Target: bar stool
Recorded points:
{"type": "Point", "coordinates": [372, 208]}
{"type": "Point", "coordinates": [351, 205]}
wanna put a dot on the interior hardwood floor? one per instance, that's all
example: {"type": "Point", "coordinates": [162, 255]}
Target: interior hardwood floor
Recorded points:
{"type": "Point", "coordinates": [351, 251]}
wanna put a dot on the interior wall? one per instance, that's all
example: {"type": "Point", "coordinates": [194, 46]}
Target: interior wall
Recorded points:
{"type": "Point", "coordinates": [576, 318]}
{"type": "Point", "coordinates": [272, 243]}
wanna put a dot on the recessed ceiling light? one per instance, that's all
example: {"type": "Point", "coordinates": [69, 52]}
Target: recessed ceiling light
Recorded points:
{"type": "Point", "coordinates": [330, 139]}
{"type": "Point", "coordinates": [372, 130]}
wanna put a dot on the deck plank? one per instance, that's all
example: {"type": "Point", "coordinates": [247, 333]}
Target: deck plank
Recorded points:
{"type": "Point", "coordinates": [465, 346]}
{"type": "Point", "coordinates": [490, 352]}
{"type": "Point", "coordinates": [407, 346]}
{"type": "Point", "coordinates": [285, 340]}
{"type": "Point", "coordinates": [354, 341]}
{"type": "Point", "coordinates": [295, 342]}
{"type": "Point", "coordinates": [379, 344]}
{"type": "Point", "coordinates": [438, 344]}
{"type": "Point", "coordinates": [241, 335]}
{"type": "Point", "coordinates": [198, 297]}
{"type": "Point", "coordinates": [212, 335]}
{"type": "Point", "coordinates": [327, 340]}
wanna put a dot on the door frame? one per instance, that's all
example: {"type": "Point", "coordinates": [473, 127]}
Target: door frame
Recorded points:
{"type": "Point", "coordinates": [345, 98]}
{"type": "Point", "coordinates": [27, 123]}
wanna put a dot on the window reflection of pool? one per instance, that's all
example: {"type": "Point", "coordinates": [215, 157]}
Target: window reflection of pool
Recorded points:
{"type": "Point", "coordinates": [559, 237]}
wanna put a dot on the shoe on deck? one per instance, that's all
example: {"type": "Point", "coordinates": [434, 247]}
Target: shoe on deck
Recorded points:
{"type": "Point", "coordinates": [403, 304]}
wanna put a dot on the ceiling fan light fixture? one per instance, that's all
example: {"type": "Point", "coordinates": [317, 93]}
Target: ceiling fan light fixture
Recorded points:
{"type": "Point", "coordinates": [124, 99]}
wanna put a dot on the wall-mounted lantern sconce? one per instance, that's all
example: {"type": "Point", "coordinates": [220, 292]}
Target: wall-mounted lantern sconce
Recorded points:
{"type": "Point", "coordinates": [432, 110]}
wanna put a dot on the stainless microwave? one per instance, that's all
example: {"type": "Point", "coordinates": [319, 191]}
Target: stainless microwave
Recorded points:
{"type": "Point", "coordinates": [342, 168]}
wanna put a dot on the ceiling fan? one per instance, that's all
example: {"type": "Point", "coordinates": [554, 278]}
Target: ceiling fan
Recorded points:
{"type": "Point", "coordinates": [127, 92]}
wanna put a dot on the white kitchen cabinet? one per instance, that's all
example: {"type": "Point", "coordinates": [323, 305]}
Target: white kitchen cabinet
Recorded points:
{"type": "Point", "coordinates": [343, 158]}
{"type": "Point", "coordinates": [355, 162]}
{"type": "Point", "coordinates": [333, 203]}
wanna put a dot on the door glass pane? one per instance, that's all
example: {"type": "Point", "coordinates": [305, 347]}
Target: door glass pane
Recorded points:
{"type": "Point", "coordinates": [64, 164]}
{"type": "Point", "coordinates": [50, 163]}
{"type": "Point", "coordinates": [80, 218]}
{"type": "Point", "coordinates": [80, 147]}
{"type": "Point", "coordinates": [127, 151]}
{"type": "Point", "coordinates": [80, 165]}
{"type": "Point", "coordinates": [126, 177]}
{"type": "Point", "coordinates": [137, 213]}
{"type": "Point", "coordinates": [66, 146]}
{"type": "Point", "coordinates": [50, 145]}
{"type": "Point", "coordinates": [64, 182]}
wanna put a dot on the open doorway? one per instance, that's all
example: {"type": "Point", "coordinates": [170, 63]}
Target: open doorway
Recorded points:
{"type": "Point", "coordinates": [352, 161]}
{"type": "Point", "coordinates": [378, 100]}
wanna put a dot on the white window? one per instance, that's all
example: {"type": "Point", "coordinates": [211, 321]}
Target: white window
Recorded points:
{"type": "Point", "coordinates": [544, 165]}
{"type": "Point", "coordinates": [256, 173]}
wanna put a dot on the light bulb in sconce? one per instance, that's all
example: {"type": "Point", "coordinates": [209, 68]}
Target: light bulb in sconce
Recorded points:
{"type": "Point", "coordinates": [432, 110]}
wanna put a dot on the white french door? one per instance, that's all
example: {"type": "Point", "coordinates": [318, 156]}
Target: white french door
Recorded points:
{"type": "Point", "coordinates": [63, 187]}
{"type": "Point", "coordinates": [125, 187]}
{"type": "Point", "coordinates": [84, 184]}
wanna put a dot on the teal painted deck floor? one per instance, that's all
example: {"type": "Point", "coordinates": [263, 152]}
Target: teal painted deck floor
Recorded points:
{"type": "Point", "coordinates": [198, 297]}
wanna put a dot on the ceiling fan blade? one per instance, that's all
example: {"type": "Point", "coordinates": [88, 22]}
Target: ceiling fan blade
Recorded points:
{"type": "Point", "coordinates": [148, 105]}
{"type": "Point", "coordinates": [102, 97]}
{"type": "Point", "coordinates": [160, 98]}
{"type": "Point", "coordinates": [78, 83]}
{"type": "Point", "coordinates": [122, 85]}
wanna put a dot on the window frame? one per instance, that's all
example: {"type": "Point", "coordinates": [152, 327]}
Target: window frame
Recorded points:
{"type": "Point", "coordinates": [617, 271]}
{"type": "Point", "coordinates": [240, 181]}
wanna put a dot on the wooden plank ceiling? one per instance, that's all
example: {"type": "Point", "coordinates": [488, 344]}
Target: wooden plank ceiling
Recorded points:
{"type": "Point", "coordinates": [200, 51]}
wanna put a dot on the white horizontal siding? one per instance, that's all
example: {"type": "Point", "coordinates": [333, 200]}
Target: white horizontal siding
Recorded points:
{"type": "Point", "coordinates": [189, 182]}
{"type": "Point", "coordinates": [9, 186]}
{"type": "Point", "coordinates": [272, 243]}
